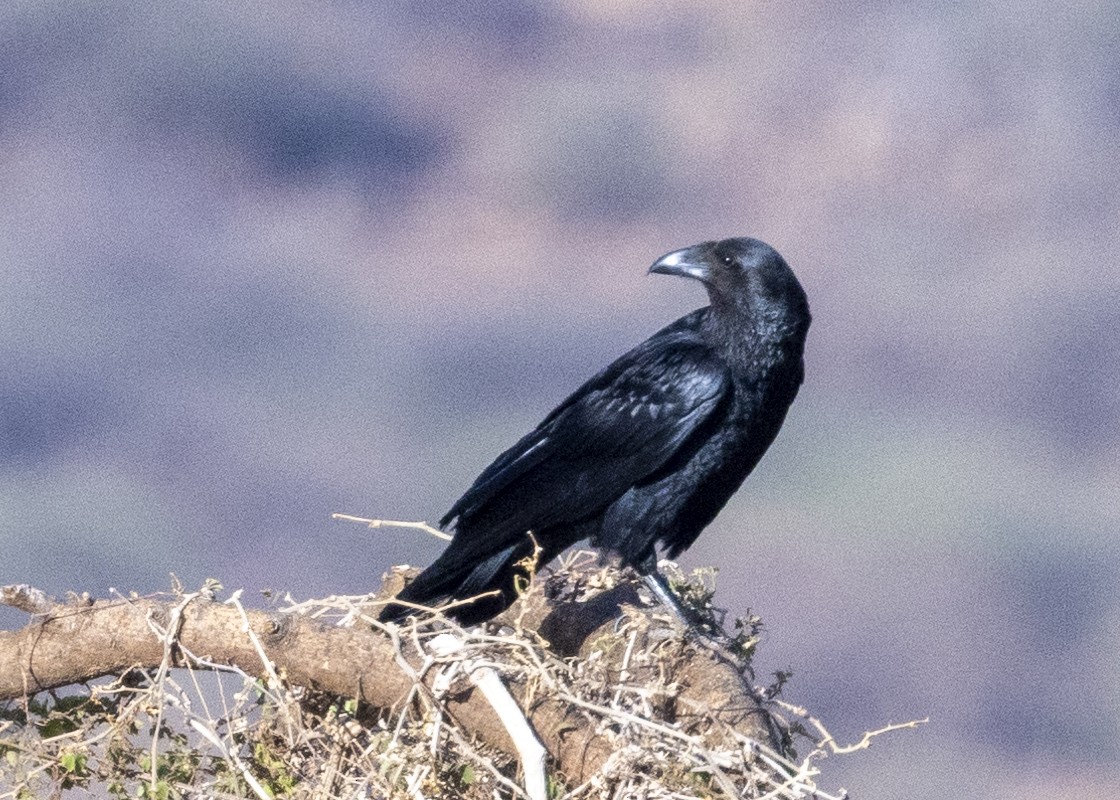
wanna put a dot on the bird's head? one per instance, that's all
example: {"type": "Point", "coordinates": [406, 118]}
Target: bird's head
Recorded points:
{"type": "Point", "coordinates": [742, 273]}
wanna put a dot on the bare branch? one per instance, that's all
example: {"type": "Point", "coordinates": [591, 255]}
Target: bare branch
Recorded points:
{"type": "Point", "coordinates": [579, 670]}
{"type": "Point", "coordinates": [26, 598]}
{"type": "Point", "coordinates": [393, 523]}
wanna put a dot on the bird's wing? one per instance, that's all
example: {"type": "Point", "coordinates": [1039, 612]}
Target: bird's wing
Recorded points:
{"type": "Point", "coordinates": [609, 435]}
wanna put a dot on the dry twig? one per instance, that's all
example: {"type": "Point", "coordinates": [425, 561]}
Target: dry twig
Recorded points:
{"type": "Point", "coordinates": [331, 704]}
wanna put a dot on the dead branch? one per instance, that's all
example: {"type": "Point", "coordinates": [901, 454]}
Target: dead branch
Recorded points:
{"type": "Point", "coordinates": [703, 699]}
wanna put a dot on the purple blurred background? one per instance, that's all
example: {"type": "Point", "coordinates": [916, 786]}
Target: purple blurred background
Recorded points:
{"type": "Point", "coordinates": [261, 262]}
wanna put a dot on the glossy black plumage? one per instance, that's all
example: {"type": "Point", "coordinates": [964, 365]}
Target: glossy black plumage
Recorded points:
{"type": "Point", "coordinates": [648, 451]}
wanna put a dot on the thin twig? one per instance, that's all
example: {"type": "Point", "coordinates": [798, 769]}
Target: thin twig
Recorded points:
{"type": "Point", "coordinates": [829, 741]}
{"type": "Point", "coordinates": [394, 523]}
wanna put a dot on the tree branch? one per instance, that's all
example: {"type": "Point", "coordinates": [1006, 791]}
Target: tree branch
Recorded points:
{"type": "Point", "coordinates": [700, 695]}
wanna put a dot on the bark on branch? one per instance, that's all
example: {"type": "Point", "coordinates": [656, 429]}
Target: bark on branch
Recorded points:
{"type": "Point", "coordinates": [81, 640]}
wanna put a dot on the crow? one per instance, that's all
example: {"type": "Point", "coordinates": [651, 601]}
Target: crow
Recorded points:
{"type": "Point", "coordinates": [644, 454]}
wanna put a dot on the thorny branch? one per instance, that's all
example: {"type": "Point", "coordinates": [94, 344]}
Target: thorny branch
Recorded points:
{"type": "Point", "coordinates": [332, 704]}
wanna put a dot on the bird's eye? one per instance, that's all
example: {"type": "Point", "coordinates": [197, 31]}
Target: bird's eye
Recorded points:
{"type": "Point", "coordinates": [727, 260]}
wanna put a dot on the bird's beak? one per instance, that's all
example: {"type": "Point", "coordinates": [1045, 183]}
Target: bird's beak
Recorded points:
{"type": "Point", "coordinates": [691, 262]}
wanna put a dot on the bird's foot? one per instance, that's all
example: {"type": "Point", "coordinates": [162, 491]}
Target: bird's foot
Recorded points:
{"type": "Point", "coordinates": [703, 631]}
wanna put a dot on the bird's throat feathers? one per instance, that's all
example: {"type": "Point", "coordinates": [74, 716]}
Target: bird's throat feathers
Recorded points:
{"type": "Point", "coordinates": [765, 338]}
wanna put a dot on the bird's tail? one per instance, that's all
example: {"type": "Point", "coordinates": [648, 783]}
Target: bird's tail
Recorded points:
{"type": "Point", "coordinates": [489, 586]}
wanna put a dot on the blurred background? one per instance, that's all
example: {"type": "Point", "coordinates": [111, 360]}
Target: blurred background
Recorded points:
{"type": "Point", "coordinates": [265, 261]}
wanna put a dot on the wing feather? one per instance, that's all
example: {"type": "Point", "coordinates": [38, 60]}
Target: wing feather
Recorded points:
{"type": "Point", "coordinates": [618, 428]}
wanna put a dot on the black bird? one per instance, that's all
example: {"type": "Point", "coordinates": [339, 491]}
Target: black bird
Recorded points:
{"type": "Point", "coordinates": [645, 453]}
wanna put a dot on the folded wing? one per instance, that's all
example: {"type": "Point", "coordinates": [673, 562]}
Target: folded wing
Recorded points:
{"type": "Point", "coordinates": [617, 429]}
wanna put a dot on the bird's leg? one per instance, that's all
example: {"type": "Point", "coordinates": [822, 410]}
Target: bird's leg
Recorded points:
{"type": "Point", "coordinates": [668, 598]}
{"type": "Point", "coordinates": [689, 618]}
